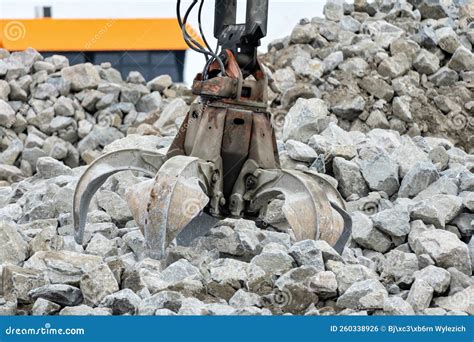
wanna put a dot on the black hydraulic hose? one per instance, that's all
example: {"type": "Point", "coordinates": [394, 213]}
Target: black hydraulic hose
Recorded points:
{"type": "Point", "coordinates": [190, 41]}
{"type": "Point", "coordinates": [200, 27]}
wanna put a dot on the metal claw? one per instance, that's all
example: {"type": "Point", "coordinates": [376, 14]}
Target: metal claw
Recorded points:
{"type": "Point", "coordinates": [307, 208]}
{"type": "Point", "coordinates": [175, 200]}
{"type": "Point", "coordinates": [97, 173]}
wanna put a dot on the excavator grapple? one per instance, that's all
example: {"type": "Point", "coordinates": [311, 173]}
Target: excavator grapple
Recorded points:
{"type": "Point", "coordinates": [224, 160]}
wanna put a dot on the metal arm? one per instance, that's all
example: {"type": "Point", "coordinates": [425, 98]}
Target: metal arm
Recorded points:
{"type": "Point", "coordinates": [242, 39]}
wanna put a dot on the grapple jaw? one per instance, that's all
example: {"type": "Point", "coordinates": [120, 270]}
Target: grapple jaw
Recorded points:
{"type": "Point", "coordinates": [147, 162]}
{"type": "Point", "coordinates": [224, 163]}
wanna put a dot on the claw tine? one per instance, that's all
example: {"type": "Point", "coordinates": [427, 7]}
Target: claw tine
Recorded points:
{"type": "Point", "coordinates": [137, 198]}
{"type": "Point", "coordinates": [307, 208]}
{"type": "Point", "coordinates": [97, 173]}
{"type": "Point", "coordinates": [175, 200]}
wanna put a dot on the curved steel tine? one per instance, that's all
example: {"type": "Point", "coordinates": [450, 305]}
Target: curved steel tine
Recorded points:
{"type": "Point", "coordinates": [307, 208]}
{"type": "Point", "coordinates": [175, 200]}
{"type": "Point", "coordinates": [102, 168]}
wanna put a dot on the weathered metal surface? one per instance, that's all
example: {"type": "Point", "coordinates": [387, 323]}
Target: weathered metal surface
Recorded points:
{"type": "Point", "coordinates": [175, 199]}
{"type": "Point", "coordinates": [97, 173]}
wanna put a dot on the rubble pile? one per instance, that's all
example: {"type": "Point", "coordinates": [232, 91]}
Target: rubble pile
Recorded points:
{"type": "Point", "coordinates": [70, 113]}
{"type": "Point", "coordinates": [401, 65]}
{"type": "Point", "coordinates": [360, 96]}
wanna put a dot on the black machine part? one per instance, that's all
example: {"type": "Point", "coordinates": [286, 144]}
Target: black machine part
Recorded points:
{"type": "Point", "coordinates": [241, 39]}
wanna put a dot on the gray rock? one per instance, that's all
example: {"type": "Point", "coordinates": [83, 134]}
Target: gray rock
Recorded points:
{"type": "Point", "coordinates": [48, 167]}
{"type": "Point", "coordinates": [43, 307]}
{"type": "Point", "coordinates": [243, 299]}
{"type": "Point", "coordinates": [432, 9]}
{"type": "Point", "coordinates": [324, 284]}
{"type": "Point", "coordinates": [307, 253]}
{"type": "Point", "coordinates": [396, 306]}
{"type": "Point", "coordinates": [462, 60]}
{"type": "Point", "coordinates": [347, 275]}
{"type": "Point", "coordinates": [81, 76]}
{"type": "Point", "coordinates": [407, 155]}
{"type": "Point", "coordinates": [136, 241]}
{"type": "Point", "coordinates": [459, 281]}
{"type": "Point", "coordinates": [377, 119]}
{"type": "Point", "coordinates": [382, 32]}
{"type": "Point", "coordinates": [438, 278]}
{"type": "Point", "coordinates": [163, 300]}
{"type": "Point", "coordinates": [58, 61]}
{"type": "Point", "coordinates": [64, 295]}
{"type": "Point", "coordinates": [468, 199]}
{"type": "Point", "coordinates": [438, 210]}
{"type": "Point", "coordinates": [333, 10]}
{"type": "Point", "coordinates": [447, 39]}
{"type": "Point", "coordinates": [349, 177]}
{"type": "Point", "coordinates": [445, 248]}
{"type": "Point", "coordinates": [7, 115]}
{"type": "Point", "coordinates": [332, 61]}
{"type": "Point", "coordinates": [418, 179]}
{"type": "Point", "coordinates": [114, 205]}
{"type": "Point", "coordinates": [349, 108]}
{"type": "Point", "coordinates": [101, 246]}
{"type": "Point", "coordinates": [64, 107]}
{"type": "Point", "coordinates": [394, 222]}
{"type": "Point", "coordinates": [399, 267]}
{"type": "Point", "coordinates": [273, 260]}
{"type": "Point", "coordinates": [174, 110]}
{"type": "Point", "coordinates": [98, 283]}
{"type": "Point", "coordinates": [307, 67]}
{"type": "Point", "coordinates": [84, 310]}
{"type": "Point", "coordinates": [363, 295]}
{"type": "Point", "coordinates": [19, 281]}
{"type": "Point", "coordinates": [356, 66]}
{"type": "Point", "coordinates": [135, 77]}
{"type": "Point", "coordinates": [401, 108]}
{"type": "Point", "coordinates": [444, 77]}
{"type": "Point", "coordinates": [4, 90]}
{"type": "Point", "coordinates": [293, 293]}
{"type": "Point", "coordinates": [122, 302]}
{"type": "Point", "coordinates": [63, 267]}
{"type": "Point", "coordinates": [379, 170]}
{"type": "Point", "coordinates": [426, 62]}
{"type": "Point", "coordinates": [180, 275]}
{"type": "Point", "coordinates": [305, 118]}
{"type": "Point", "coordinates": [149, 103]}
{"type": "Point", "coordinates": [465, 224]}
{"type": "Point", "coordinates": [420, 295]}
{"type": "Point", "coordinates": [364, 233]}
{"type": "Point", "coordinates": [300, 151]}
{"type": "Point", "coordinates": [377, 87]}
{"type": "Point", "coordinates": [348, 23]}
{"type": "Point", "coordinates": [45, 91]}
{"type": "Point", "coordinates": [160, 83]}
{"type": "Point", "coordinates": [461, 301]}
{"type": "Point", "coordinates": [394, 66]}
{"type": "Point", "coordinates": [303, 34]}
{"type": "Point", "coordinates": [13, 249]}
{"type": "Point", "coordinates": [283, 79]}
{"type": "Point", "coordinates": [142, 276]}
